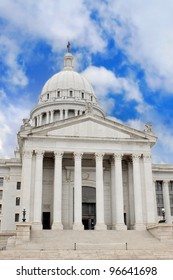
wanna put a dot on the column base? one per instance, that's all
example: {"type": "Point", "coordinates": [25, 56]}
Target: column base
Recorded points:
{"type": "Point", "coordinates": [37, 226]}
{"type": "Point", "coordinates": [119, 227]}
{"type": "Point", "coordinates": [78, 226]}
{"type": "Point", "coordinates": [139, 227]}
{"type": "Point", "coordinates": [57, 226]}
{"type": "Point", "coordinates": [100, 227]}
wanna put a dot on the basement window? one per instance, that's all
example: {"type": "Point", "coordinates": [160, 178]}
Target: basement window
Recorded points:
{"type": "Point", "coordinates": [1, 181]}
{"type": "Point", "coordinates": [16, 217]}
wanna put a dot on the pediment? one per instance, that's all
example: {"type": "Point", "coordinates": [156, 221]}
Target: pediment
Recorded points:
{"type": "Point", "coordinates": [90, 127]}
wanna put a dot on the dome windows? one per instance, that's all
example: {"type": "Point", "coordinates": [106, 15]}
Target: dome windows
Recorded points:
{"type": "Point", "coordinates": [71, 93]}
{"type": "Point", "coordinates": [58, 93]}
{"type": "Point", "coordinates": [82, 95]}
{"type": "Point", "coordinates": [48, 96]}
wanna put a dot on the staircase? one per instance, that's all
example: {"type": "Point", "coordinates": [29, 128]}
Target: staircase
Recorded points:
{"type": "Point", "coordinates": [68, 244]}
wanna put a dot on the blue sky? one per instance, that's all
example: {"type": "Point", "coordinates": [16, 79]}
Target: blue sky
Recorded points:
{"type": "Point", "coordinates": [124, 48]}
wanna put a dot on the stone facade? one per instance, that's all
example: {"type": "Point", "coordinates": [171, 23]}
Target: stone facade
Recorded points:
{"type": "Point", "coordinates": [76, 169]}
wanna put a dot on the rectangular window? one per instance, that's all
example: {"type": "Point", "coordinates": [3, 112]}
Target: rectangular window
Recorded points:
{"type": "Point", "coordinates": [171, 196]}
{"type": "Point", "coordinates": [1, 181]}
{"type": "Point", "coordinates": [18, 186]}
{"type": "Point", "coordinates": [1, 193]}
{"type": "Point", "coordinates": [0, 208]}
{"type": "Point", "coordinates": [17, 201]}
{"type": "Point", "coordinates": [159, 197]}
{"type": "Point", "coordinates": [16, 217]}
{"type": "Point", "coordinates": [71, 93]}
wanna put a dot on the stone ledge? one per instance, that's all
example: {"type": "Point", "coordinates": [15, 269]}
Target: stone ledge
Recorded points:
{"type": "Point", "coordinates": [161, 231]}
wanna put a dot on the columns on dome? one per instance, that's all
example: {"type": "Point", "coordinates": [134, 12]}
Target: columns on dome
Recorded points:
{"type": "Point", "coordinates": [51, 116]}
{"type": "Point", "coordinates": [100, 225]}
{"type": "Point", "coordinates": [166, 201]}
{"type": "Point", "coordinates": [138, 205]}
{"type": "Point", "coordinates": [37, 219]}
{"type": "Point", "coordinates": [26, 181]}
{"type": "Point", "coordinates": [78, 192]}
{"type": "Point", "coordinates": [57, 192]}
{"type": "Point", "coordinates": [118, 222]}
{"type": "Point", "coordinates": [61, 114]}
{"type": "Point", "coordinates": [149, 190]}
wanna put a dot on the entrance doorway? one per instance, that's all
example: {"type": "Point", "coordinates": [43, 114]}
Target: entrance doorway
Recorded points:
{"type": "Point", "coordinates": [46, 220]}
{"type": "Point", "coordinates": [88, 207]}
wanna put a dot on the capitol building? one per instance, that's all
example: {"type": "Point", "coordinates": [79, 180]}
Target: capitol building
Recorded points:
{"type": "Point", "coordinates": [75, 169]}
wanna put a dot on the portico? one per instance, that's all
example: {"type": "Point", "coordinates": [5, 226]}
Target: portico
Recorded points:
{"type": "Point", "coordinates": [59, 180]}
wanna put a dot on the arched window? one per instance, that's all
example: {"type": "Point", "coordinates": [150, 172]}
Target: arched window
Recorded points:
{"type": "Point", "coordinates": [82, 95]}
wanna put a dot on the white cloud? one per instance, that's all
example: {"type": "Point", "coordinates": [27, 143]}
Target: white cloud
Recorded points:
{"type": "Point", "coordinates": [105, 82]}
{"type": "Point", "coordinates": [143, 29]}
{"type": "Point", "coordinates": [11, 116]}
{"type": "Point", "coordinates": [14, 73]}
{"type": "Point", "coordinates": [54, 21]}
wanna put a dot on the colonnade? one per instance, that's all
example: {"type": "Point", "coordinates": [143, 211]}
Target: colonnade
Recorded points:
{"type": "Point", "coordinates": [49, 116]}
{"type": "Point", "coordinates": [116, 189]}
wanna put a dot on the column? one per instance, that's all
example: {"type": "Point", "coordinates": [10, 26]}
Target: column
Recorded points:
{"type": "Point", "coordinates": [66, 114]}
{"type": "Point", "coordinates": [26, 182]}
{"type": "Point", "coordinates": [51, 116]}
{"type": "Point", "coordinates": [139, 223]}
{"type": "Point", "coordinates": [113, 192]}
{"type": "Point", "coordinates": [37, 120]}
{"type": "Point", "coordinates": [149, 190]}
{"type": "Point", "coordinates": [131, 195]}
{"type": "Point", "coordinates": [78, 192]}
{"type": "Point", "coordinates": [57, 195]}
{"type": "Point", "coordinates": [118, 194]}
{"type": "Point", "coordinates": [47, 117]}
{"type": "Point", "coordinates": [37, 222]}
{"type": "Point", "coordinates": [166, 201]}
{"type": "Point", "coordinates": [100, 225]}
{"type": "Point", "coordinates": [76, 113]}
{"type": "Point", "coordinates": [40, 121]}
{"type": "Point", "coordinates": [61, 115]}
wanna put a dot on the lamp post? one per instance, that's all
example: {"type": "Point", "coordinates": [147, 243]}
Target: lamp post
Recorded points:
{"type": "Point", "coordinates": [163, 214]}
{"type": "Point", "coordinates": [24, 215]}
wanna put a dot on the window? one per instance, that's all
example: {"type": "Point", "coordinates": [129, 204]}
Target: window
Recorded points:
{"type": "Point", "coordinates": [91, 98]}
{"type": "Point", "coordinates": [0, 208]}
{"type": "Point", "coordinates": [48, 96]}
{"type": "Point", "coordinates": [71, 93]}
{"type": "Point", "coordinates": [171, 196]}
{"type": "Point", "coordinates": [82, 95]}
{"type": "Point", "coordinates": [17, 201]}
{"type": "Point", "coordinates": [1, 192]}
{"type": "Point", "coordinates": [18, 186]}
{"type": "Point", "coordinates": [1, 181]}
{"type": "Point", "coordinates": [16, 217]}
{"type": "Point", "coordinates": [58, 93]}
{"type": "Point", "coordinates": [159, 197]}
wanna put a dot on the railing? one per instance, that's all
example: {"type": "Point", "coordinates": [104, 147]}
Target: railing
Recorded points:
{"type": "Point", "coordinates": [100, 246]}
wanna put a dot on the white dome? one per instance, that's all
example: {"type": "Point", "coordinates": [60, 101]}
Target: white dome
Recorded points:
{"type": "Point", "coordinates": [67, 80]}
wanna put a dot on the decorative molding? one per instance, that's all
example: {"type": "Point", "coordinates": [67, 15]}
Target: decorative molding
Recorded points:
{"type": "Point", "coordinates": [136, 157]}
{"type": "Point", "coordinates": [77, 155]}
{"type": "Point", "coordinates": [166, 181]}
{"type": "Point", "coordinates": [27, 154]}
{"type": "Point", "coordinates": [85, 175]}
{"type": "Point", "coordinates": [147, 157]}
{"type": "Point", "coordinates": [58, 155]}
{"type": "Point", "coordinates": [118, 156]}
{"type": "Point", "coordinates": [39, 153]}
{"type": "Point", "coordinates": [99, 156]}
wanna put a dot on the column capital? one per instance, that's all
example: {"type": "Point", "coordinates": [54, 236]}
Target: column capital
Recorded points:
{"type": "Point", "coordinates": [99, 156]}
{"type": "Point", "coordinates": [118, 156]}
{"type": "Point", "coordinates": [39, 153]}
{"type": "Point", "coordinates": [58, 155]}
{"type": "Point", "coordinates": [136, 157]}
{"type": "Point", "coordinates": [27, 154]}
{"type": "Point", "coordinates": [77, 155]}
{"type": "Point", "coordinates": [166, 181]}
{"type": "Point", "coordinates": [147, 157]}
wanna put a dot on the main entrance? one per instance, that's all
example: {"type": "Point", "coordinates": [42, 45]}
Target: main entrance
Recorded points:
{"type": "Point", "coordinates": [88, 207]}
